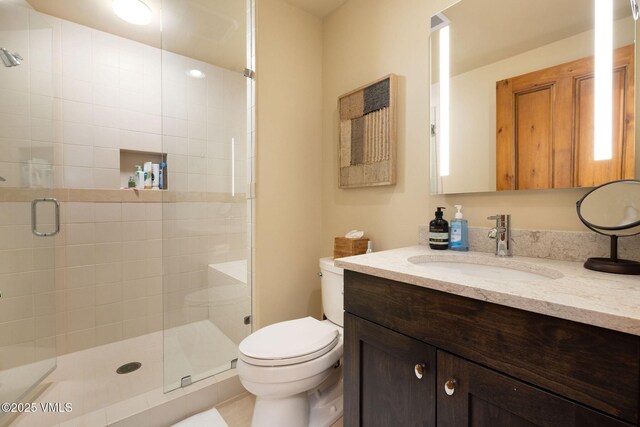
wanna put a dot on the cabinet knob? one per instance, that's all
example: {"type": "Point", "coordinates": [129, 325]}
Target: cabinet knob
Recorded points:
{"type": "Point", "coordinates": [419, 370]}
{"type": "Point", "coordinates": [450, 386]}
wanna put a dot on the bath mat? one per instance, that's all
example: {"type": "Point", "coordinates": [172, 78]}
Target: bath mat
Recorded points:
{"type": "Point", "coordinates": [210, 418]}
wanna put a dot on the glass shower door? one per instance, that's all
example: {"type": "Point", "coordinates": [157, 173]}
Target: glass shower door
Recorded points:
{"type": "Point", "coordinates": [28, 213]}
{"type": "Point", "coordinates": [206, 108]}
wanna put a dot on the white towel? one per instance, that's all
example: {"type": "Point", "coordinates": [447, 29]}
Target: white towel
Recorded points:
{"type": "Point", "coordinates": [210, 418]}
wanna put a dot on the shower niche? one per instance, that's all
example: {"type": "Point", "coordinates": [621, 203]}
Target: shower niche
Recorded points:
{"type": "Point", "coordinates": [129, 159]}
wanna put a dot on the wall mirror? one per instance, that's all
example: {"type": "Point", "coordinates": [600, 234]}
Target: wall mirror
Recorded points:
{"type": "Point", "coordinates": [512, 96]}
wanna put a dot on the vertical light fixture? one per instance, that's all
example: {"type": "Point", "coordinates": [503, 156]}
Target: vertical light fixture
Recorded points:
{"type": "Point", "coordinates": [603, 81]}
{"type": "Point", "coordinates": [444, 101]}
{"type": "Point", "coordinates": [233, 167]}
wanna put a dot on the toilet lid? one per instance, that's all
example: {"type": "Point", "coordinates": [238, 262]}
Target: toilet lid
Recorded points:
{"type": "Point", "coordinates": [290, 342]}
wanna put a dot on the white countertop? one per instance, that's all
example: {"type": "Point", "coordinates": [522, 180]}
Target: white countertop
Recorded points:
{"type": "Point", "coordinates": [607, 300]}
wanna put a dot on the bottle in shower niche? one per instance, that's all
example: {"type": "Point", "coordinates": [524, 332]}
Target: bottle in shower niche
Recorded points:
{"type": "Point", "coordinates": [155, 176]}
{"type": "Point", "coordinates": [139, 178]}
{"type": "Point", "coordinates": [163, 176]}
{"type": "Point", "coordinates": [439, 231]}
{"type": "Point", "coordinates": [148, 176]}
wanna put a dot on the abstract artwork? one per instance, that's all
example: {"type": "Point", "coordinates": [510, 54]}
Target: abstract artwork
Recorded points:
{"type": "Point", "coordinates": [368, 135]}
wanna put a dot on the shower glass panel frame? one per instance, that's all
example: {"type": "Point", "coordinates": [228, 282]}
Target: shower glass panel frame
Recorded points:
{"type": "Point", "coordinates": [27, 251]}
{"type": "Point", "coordinates": [208, 140]}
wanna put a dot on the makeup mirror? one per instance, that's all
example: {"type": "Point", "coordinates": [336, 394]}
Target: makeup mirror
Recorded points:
{"type": "Point", "coordinates": [612, 209]}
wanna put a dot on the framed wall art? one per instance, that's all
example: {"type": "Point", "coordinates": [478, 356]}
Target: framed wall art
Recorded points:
{"type": "Point", "coordinates": [367, 143]}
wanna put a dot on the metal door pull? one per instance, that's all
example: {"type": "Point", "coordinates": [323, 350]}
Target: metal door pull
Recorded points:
{"type": "Point", "coordinates": [34, 217]}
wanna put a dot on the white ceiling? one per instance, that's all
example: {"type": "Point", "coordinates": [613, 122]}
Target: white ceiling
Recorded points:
{"type": "Point", "coordinates": [319, 8]}
{"type": "Point", "coordinates": [210, 31]}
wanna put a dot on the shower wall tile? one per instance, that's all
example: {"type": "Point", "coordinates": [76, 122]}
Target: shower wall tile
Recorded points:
{"type": "Point", "coordinates": [109, 293]}
{"type": "Point", "coordinates": [108, 212]}
{"type": "Point", "coordinates": [78, 155]}
{"type": "Point", "coordinates": [79, 277]}
{"type": "Point", "coordinates": [79, 340]}
{"type": "Point", "coordinates": [108, 285]}
{"type": "Point", "coordinates": [81, 298]}
{"type": "Point", "coordinates": [106, 178]}
{"type": "Point", "coordinates": [82, 319]}
{"type": "Point", "coordinates": [79, 212]}
{"type": "Point", "coordinates": [106, 334]}
{"type": "Point", "coordinates": [108, 232]}
{"type": "Point", "coordinates": [81, 255]}
{"type": "Point", "coordinates": [103, 85]}
{"type": "Point", "coordinates": [105, 137]}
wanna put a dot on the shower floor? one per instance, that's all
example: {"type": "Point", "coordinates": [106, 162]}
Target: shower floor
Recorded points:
{"type": "Point", "coordinates": [88, 380]}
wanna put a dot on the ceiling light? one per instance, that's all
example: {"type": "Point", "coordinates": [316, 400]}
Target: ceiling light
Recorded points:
{"type": "Point", "coordinates": [196, 74]}
{"type": "Point", "coordinates": [133, 11]}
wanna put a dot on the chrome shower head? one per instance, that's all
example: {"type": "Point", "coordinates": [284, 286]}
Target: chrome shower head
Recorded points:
{"type": "Point", "coordinates": [10, 59]}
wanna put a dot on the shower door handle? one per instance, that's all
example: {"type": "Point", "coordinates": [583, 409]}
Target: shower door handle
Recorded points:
{"type": "Point", "coordinates": [34, 217]}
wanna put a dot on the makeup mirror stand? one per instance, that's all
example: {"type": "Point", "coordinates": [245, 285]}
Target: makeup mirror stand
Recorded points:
{"type": "Point", "coordinates": [613, 264]}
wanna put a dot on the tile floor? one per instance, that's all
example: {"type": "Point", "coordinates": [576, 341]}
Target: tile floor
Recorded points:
{"type": "Point", "coordinates": [237, 411]}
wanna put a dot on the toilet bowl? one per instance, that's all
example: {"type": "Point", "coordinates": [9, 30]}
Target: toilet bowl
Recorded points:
{"type": "Point", "coordinates": [294, 368]}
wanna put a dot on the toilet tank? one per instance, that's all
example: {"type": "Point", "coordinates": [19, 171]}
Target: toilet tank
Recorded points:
{"type": "Point", "coordinates": [331, 282]}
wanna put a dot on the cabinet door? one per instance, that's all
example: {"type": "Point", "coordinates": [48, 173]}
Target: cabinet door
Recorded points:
{"type": "Point", "coordinates": [389, 378]}
{"type": "Point", "coordinates": [471, 395]}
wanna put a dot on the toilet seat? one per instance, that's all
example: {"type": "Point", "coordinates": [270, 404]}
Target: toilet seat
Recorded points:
{"type": "Point", "coordinates": [289, 343]}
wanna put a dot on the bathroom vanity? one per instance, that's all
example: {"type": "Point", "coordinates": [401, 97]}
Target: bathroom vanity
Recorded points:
{"type": "Point", "coordinates": [516, 342]}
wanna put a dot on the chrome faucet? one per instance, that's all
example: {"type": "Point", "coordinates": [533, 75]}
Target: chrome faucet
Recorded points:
{"type": "Point", "coordinates": [502, 234]}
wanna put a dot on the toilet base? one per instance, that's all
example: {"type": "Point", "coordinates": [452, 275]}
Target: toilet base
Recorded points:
{"type": "Point", "coordinates": [320, 407]}
{"type": "Point", "coordinates": [326, 402]}
{"type": "Point", "coordinates": [290, 411]}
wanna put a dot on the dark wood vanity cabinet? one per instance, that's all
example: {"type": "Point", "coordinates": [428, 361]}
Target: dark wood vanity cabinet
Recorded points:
{"type": "Point", "coordinates": [391, 377]}
{"type": "Point", "coordinates": [478, 396]}
{"type": "Point", "coordinates": [483, 364]}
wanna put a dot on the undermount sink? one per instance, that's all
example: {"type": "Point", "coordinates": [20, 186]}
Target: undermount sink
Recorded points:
{"type": "Point", "coordinates": [484, 267]}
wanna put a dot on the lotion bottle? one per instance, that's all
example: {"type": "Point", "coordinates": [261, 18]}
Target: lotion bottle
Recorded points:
{"type": "Point", "coordinates": [439, 232]}
{"type": "Point", "coordinates": [459, 240]}
{"type": "Point", "coordinates": [139, 178]}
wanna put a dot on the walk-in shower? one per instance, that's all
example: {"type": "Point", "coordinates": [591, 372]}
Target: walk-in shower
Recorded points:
{"type": "Point", "coordinates": [143, 293]}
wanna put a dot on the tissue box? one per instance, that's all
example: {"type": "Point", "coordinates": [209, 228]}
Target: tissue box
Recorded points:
{"type": "Point", "coordinates": [346, 247]}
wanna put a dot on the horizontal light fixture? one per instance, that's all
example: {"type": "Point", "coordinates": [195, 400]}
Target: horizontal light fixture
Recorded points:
{"type": "Point", "coordinates": [133, 11]}
{"type": "Point", "coordinates": [196, 74]}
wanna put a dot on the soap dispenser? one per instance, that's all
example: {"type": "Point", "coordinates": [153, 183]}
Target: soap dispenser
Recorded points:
{"type": "Point", "coordinates": [459, 240]}
{"type": "Point", "coordinates": [439, 232]}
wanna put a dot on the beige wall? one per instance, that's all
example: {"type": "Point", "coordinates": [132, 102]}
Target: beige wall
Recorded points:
{"type": "Point", "coordinates": [302, 59]}
{"type": "Point", "coordinates": [365, 40]}
{"type": "Point", "coordinates": [288, 169]}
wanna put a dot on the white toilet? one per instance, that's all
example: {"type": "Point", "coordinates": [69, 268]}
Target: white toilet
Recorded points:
{"type": "Point", "coordinates": [294, 368]}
